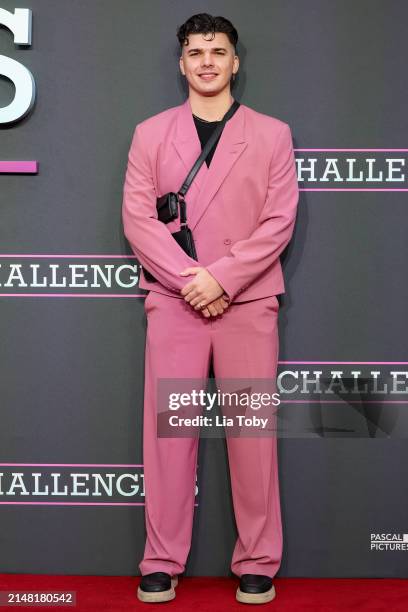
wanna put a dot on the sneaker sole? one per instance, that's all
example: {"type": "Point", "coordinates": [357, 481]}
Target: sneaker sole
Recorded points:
{"type": "Point", "coordinates": [255, 598]}
{"type": "Point", "coordinates": [158, 596]}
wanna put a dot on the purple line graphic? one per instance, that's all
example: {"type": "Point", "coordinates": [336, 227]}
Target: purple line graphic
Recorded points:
{"type": "Point", "coordinates": [345, 362]}
{"type": "Point", "coordinates": [114, 465]}
{"type": "Point", "coordinates": [350, 189]}
{"type": "Point", "coordinates": [305, 401]}
{"type": "Point", "coordinates": [353, 150]}
{"type": "Point", "coordinates": [67, 255]}
{"type": "Point", "coordinates": [18, 167]}
{"type": "Point", "coordinates": [75, 295]}
{"type": "Point", "coordinates": [46, 503]}
{"type": "Point", "coordinates": [73, 504]}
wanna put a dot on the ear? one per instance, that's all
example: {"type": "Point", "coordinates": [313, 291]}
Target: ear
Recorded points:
{"type": "Point", "coordinates": [181, 64]}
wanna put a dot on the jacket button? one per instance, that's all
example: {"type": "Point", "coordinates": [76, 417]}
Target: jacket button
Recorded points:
{"type": "Point", "coordinates": [227, 241]}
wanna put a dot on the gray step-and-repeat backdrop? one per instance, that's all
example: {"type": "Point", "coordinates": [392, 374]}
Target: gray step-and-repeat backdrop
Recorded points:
{"type": "Point", "coordinates": [72, 319]}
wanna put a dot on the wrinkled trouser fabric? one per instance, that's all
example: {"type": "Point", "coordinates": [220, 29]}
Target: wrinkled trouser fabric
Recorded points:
{"type": "Point", "coordinates": [180, 341]}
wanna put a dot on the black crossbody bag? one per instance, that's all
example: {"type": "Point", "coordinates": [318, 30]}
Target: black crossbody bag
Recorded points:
{"type": "Point", "coordinates": [168, 204]}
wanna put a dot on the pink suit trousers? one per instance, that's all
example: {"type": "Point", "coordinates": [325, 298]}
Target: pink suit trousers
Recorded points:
{"type": "Point", "coordinates": [243, 343]}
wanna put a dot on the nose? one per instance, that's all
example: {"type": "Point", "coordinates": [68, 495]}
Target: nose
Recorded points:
{"type": "Point", "coordinates": [206, 61]}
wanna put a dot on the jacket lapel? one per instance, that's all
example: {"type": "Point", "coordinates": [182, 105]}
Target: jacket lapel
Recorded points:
{"type": "Point", "coordinates": [188, 146]}
{"type": "Point", "coordinates": [208, 180]}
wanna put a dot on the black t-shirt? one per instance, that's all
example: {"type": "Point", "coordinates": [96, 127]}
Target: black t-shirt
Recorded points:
{"type": "Point", "coordinates": [204, 130]}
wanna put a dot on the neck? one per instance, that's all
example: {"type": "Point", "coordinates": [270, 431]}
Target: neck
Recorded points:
{"type": "Point", "coordinates": [210, 108]}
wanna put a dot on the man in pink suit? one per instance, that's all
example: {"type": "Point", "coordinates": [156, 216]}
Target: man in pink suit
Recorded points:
{"type": "Point", "coordinates": [241, 208]}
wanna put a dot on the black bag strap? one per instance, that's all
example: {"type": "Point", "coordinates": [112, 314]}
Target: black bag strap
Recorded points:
{"type": "Point", "coordinates": [197, 165]}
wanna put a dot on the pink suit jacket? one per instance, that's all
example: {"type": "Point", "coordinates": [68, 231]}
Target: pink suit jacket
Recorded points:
{"type": "Point", "coordinates": [241, 210]}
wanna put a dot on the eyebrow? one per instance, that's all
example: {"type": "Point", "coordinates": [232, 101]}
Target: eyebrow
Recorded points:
{"type": "Point", "coordinates": [213, 49]}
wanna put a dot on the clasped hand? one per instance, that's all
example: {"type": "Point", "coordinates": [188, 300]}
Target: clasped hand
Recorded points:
{"type": "Point", "coordinates": [205, 290]}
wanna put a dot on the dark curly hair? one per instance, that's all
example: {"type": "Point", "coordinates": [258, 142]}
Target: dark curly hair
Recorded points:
{"type": "Point", "coordinates": [203, 23]}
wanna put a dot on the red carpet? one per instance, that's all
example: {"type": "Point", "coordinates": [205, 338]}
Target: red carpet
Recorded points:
{"type": "Point", "coordinates": [118, 593]}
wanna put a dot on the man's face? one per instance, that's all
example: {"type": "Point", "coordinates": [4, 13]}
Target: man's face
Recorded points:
{"type": "Point", "coordinates": [208, 64]}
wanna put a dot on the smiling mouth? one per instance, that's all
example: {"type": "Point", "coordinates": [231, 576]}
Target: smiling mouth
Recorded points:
{"type": "Point", "coordinates": [208, 76]}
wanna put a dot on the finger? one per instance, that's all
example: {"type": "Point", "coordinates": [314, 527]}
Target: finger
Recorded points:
{"type": "Point", "coordinates": [186, 289]}
{"type": "Point", "coordinates": [191, 286]}
{"type": "Point", "coordinates": [188, 271]}
{"type": "Point", "coordinates": [206, 313]}
{"type": "Point", "coordinates": [212, 310]}
{"type": "Point", "coordinates": [216, 305]}
{"type": "Point", "coordinates": [198, 302]}
{"type": "Point", "coordinates": [194, 298]}
{"type": "Point", "coordinates": [192, 295]}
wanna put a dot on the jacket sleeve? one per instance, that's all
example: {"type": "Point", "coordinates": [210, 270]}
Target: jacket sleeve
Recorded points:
{"type": "Point", "coordinates": [250, 257]}
{"type": "Point", "coordinates": [150, 239]}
